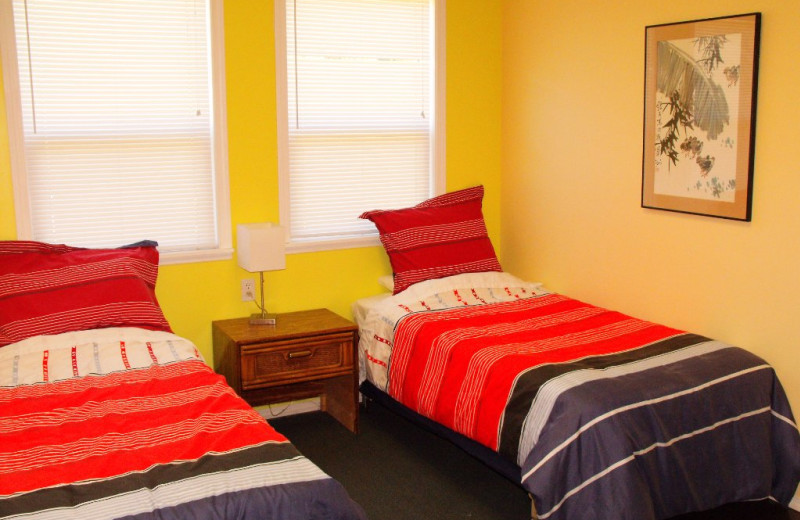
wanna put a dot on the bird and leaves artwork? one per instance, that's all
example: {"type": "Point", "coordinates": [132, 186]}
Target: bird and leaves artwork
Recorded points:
{"type": "Point", "coordinates": [696, 113]}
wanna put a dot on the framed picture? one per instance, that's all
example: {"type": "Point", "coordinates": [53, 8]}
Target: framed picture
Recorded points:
{"type": "Point", "coordinates": [699, 116]}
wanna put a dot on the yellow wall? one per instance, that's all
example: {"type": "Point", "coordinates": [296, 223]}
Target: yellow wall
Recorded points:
{"type": "Point", "coordinates": [573, 77]}
{"type": "Point", "coordinates": [192, 295]}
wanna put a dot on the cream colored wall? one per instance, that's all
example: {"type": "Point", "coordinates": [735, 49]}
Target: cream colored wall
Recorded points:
{"type": "Point", "coordinates": [573, 77]}
{"type": "Point", "coordinates": [193, 295]}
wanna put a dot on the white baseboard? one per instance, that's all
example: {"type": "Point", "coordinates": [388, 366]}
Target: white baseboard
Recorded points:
{"type": "Point", "coordinates": [271, 411]}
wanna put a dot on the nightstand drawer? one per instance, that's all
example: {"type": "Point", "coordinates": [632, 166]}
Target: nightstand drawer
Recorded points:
{"type": "Point", "coordinates": [278, 362]}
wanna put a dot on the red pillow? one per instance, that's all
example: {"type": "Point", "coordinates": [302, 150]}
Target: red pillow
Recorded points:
{"type": "Point", "coordinates": [50, 289]}
{"type": "Point", "coordinates": [442, 236]}
{"type": "Point", "coordinates": [10, 247]}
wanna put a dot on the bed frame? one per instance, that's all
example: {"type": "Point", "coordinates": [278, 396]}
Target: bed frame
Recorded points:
{"type": "Point", "coordinates": [486, 455]}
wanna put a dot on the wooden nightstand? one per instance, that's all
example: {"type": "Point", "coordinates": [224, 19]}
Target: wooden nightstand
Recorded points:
{"type": "Point", "coordinates": [306, 354]}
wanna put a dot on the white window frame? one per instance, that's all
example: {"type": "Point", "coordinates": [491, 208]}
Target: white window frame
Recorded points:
{"type": "Point", "coordinates": [224, 249]}
{"type": "Point", "coordinates": [439, 139]}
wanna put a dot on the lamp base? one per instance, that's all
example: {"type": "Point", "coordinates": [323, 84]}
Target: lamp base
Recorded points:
{"type": "Point", "coordinates": [263, 319]}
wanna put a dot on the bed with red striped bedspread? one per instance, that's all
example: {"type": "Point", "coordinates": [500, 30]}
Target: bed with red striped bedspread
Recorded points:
{"type": "Point", "coordinates": [130, 423]}
{"type": "Point", "coordinates": [608, 416]}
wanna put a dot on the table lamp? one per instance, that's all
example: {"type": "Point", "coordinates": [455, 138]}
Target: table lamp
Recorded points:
{"type": "Point", "coordinates": [259, 248]}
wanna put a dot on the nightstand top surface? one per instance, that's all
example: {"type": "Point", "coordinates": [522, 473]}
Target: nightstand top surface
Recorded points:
{"type": "Point", "coordinates": [289, 324]}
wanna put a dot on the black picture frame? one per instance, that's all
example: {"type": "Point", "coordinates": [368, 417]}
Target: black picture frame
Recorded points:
{"type": "Point", "coordinates": [701, 79]}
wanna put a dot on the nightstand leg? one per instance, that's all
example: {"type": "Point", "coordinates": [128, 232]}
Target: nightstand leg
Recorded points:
{"type": "Point", "coordinates": [341, 401]}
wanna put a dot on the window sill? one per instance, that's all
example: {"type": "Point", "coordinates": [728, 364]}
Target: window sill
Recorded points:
{"type": "Point", "coordinates": [203, 255]}
{"type": "Point", "coordinates": [329, 245]}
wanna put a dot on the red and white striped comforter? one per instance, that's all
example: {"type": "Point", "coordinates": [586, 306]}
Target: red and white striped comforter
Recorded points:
{"type": "Point", "coordinates": [131, 423]}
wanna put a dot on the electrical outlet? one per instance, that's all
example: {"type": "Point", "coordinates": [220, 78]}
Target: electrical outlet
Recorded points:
{"type": "Point", "coordinates": [248, 290]}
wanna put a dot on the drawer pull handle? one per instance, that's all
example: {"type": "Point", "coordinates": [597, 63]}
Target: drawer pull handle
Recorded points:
{"type": "Point", "coordinates": [299, 354]}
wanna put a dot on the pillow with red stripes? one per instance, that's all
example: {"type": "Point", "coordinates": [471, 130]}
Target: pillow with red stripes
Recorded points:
{"type": "Point", "coordinates": [440, 237]}
{"type": "Point", "coordinates": [50, 289]}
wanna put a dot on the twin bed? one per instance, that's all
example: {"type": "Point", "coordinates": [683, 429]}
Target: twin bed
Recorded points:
{"type": "Point", "coordinates": [105, 413]}
{"type": "Point", "coordinates": [598, 415]}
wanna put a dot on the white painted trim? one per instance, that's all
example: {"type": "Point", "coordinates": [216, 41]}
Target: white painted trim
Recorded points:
{"type": "Point", "coordinates": [440, 89]}
{"type": "Point", "coordinates": [204, 255]}
{"type": "Point", "coordinates": [330, 245]}
{"type": "Point", "coordinates": [222, 197]}
{"type": "Point", "coordinates": [282, 112]}
{"type": "Point", "coordinates": [16, 142]}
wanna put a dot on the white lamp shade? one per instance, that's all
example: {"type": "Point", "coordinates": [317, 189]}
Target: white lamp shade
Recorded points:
{"type": "Point", "coordinates": [260, 247]}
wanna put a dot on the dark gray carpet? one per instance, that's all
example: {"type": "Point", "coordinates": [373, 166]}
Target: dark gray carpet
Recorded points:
{"type": "Point", "coordinates": [398, 471]}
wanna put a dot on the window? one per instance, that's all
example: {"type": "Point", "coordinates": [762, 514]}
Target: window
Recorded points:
{"type": "Point", "coordinates": [360, 113]}
{"type": "Point", "coordinates": [116, 123]}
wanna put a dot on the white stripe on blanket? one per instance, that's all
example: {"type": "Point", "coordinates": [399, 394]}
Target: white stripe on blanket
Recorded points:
{"type": "Point", "coordinates": [631, 406]}
{"type": "Point", "coordinates": [648, 449]}
{"type": "Point", "coordinates": [542, 404]}
{"type": "Point", "coordinates": [184, 491]}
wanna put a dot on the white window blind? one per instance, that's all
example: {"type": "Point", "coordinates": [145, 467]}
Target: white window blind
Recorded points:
{"type": "Point", "coordinates": [359, 129]}
{"type": "Point", "coordinates": [118, 123]}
